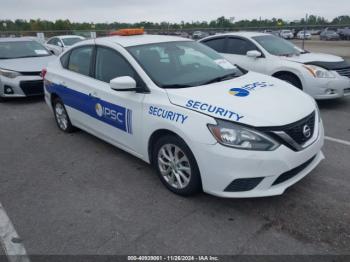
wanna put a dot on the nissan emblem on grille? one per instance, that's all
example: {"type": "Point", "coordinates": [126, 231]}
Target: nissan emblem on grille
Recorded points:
{"type": "Point", "coordinates": [307, 131]}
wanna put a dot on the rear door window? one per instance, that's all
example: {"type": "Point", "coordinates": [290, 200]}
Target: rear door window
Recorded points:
{"type": "Point", "coordinates": [238, 46]}
{"type": "Point", "coordinates": [217, 44]}
{"type": "Point", "coordinates": [80, 60]}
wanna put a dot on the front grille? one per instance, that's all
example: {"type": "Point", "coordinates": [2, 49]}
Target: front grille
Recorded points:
{"type": "Point", "coordinates": [293, 135]}
{"type": "Point", "coordinates": [296, 131]}
{"type": "Point", "coordinates": [31, 88]}
{"type": "Point", "coordinates": [344, 71]}
{"type": "Point", "coordinates": [31, 73]}
{"type": "Point", "coordinates": [243, 184]}
{"type": "Point", "coordinates": [292, 173]}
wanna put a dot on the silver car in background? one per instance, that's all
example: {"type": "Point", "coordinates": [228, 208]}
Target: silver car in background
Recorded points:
{"type": "Point", "coordinates": [21, 62]}
{"type": "Point", "coordinates": [304, 35]}
{"type": "Point", "coordinates": [286, 34]}
{"type": "Point", "coordinates": [58, 44]}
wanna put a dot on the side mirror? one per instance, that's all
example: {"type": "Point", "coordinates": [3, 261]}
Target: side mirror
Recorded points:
{"type": "Point", "coordinates": [59, 44]}
{"type": "Point", "coordinates": [254, 54]}
{"type": "Point", "coordinates": [123, 83]}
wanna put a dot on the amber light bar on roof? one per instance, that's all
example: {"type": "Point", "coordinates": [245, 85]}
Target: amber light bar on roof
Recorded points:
{"type": "Point", "coordinates": [129, 31]}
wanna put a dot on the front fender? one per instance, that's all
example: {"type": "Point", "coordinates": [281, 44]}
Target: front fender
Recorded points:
{"type": "Point", "coordinates": [160, 114]}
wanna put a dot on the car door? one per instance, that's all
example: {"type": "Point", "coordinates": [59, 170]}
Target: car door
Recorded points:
{"type": "Point", "coordinates": [117, 113]}
{"type": "Point", "coordinates": [236, 49]}
{"type": "Point", "coordinates": [75, 86]}
{"type": "Point", "coordinates": [55, 45]}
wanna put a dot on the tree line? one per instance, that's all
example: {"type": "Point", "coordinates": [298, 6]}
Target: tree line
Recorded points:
{"type": "Point", "coordinates": [221, 22]}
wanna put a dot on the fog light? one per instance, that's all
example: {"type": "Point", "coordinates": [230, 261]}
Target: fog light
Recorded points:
{"type": "Point", "coordinates": [8, 90]}
{"type": "Point", "coordinates": [330, 91]}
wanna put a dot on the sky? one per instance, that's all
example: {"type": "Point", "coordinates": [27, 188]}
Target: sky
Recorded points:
{"type": "Point", "coordinates": [170, 11]}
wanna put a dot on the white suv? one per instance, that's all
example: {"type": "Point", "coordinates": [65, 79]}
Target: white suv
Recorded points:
{"type": "Point", "coordinates": [202, 122]}
{"type": "Point", "coordinates": [320, 75]}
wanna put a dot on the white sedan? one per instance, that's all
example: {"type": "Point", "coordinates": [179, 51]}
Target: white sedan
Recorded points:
{"type": "Point", "coordinates": [200, 121]}
{"type": "Point", "coordinates": [21, 62]}
{"type": "Point", "coordinates": [59, 44]}
{"type": "Point", "coordinates": [286, 34]}
{"type": "Point", "coordinates": [304, 35]}
{"type": "Point", "coordinates": [320, 75]}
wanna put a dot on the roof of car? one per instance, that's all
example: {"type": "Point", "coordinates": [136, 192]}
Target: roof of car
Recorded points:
{"type": "Point", "coordinates": [68, 36]}
{"type": "Point", "coordinates": [135, 40]}
{"type": "Point", "coordinates": [17, 39]}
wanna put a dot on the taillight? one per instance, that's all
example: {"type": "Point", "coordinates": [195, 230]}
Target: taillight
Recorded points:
{"type": "Point", "coordinates": [43, 73]}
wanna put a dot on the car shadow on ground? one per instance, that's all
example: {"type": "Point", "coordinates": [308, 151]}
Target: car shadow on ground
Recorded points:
{"type": "Point", "coordinates": [23, 100]}
{"type": "Point", "coordinates": [334, 103]}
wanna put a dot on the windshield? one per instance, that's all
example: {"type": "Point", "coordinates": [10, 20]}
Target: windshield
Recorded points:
{"type": "Point", "coordinates": [71, 41]}
{"type": "Point", "coordinates": [183, 64]}
{"type": "Point", "coordinates": [21, 49]}
{"type": "Point", "coordinates": [277, 46]}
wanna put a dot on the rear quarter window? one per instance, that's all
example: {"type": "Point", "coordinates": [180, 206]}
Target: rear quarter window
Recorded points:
{"type": "Point", "coordinates": [65, 59]}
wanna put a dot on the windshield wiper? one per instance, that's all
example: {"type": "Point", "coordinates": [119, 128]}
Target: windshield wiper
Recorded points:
{"type": "Point", "coordinates": [288, 55]}
{"type": "Point", "coordinates": [17, 57]}
{"type": "Point", "coordinates": [221, 78]}
{"type": "Point", "coordinates": [176, 86]}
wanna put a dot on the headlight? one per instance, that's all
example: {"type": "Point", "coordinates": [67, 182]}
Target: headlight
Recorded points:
{"type": "Point", "coordinates": [9, 73]}
{"type": "Point", "coordinates": [319, 72]}
{"type": "Point", "coordinates": [233, 135]}
{"type": "Point", "coordinates": [318, 111]}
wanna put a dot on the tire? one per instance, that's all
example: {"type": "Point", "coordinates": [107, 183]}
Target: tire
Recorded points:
{"type": "Point", "coordinates": [180, 177]}
{"type": "Point", "coordinates": [61, 116]}
{"type": "Point", "coordinates": [291, 79]}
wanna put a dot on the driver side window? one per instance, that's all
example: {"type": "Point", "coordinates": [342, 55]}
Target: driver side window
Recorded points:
{"type": "Point", "coordinates": [110, 64]}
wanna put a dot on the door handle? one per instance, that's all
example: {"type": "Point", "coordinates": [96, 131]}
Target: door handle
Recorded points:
{"type": "Point", "coordinates": [94, 95]}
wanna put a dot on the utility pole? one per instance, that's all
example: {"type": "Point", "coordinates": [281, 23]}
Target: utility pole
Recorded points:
{"type": "Point", "coordinates": [305, 24]}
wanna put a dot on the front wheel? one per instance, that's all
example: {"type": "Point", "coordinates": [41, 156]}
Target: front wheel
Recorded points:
{"type": "Point", "coordinates": [176, 166]}
{"type": "Point", "coordinates": [61, 116]}
{"type": "Point", "coordinates": [291, 79]}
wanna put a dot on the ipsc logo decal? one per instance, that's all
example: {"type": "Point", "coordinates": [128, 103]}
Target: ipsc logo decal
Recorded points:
{"type": "Point", "coordinates": [114, 115]}
{"type": "Point", "coordinates": [239, 92]}
{"type": "Point", "coordinates": [109, 113]}
{"type": "Point", "coordinates": [247, 89]}
{"type": "Point", "coordinates": [99, 110]}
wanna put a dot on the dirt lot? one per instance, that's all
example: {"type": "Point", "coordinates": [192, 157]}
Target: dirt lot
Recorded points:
{"type": "Point", "coordinates": [340, 48]}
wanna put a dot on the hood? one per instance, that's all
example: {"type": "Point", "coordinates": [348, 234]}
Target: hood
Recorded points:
{"type": "Point", "coordinates": [29, 64]}
{"type": "Point", "coordinates": [311, 57]}
{"type": "Point", "coordinates": [253, 99]}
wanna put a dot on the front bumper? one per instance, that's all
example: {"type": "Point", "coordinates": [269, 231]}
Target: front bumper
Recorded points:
{"type": "Point", "coordinates": [220, 166]}
{"type": "Point", "coordinates": [21, 86]}
{"type": "Point", "coordinates": [331, 88]}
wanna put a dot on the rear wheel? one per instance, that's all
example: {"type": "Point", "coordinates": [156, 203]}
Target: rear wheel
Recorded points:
{"type": "Point", "coordinates": [291, 79]}
{"type": "Point", "coordinates": [176, 166]}
{"type": "Point", "coordinates": [61, 116]}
